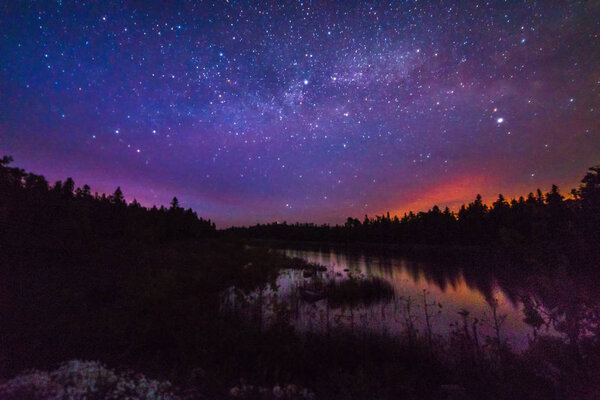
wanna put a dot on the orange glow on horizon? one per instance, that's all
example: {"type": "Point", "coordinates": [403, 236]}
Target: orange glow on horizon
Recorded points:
{"type": "Point", "coordinates": [452, 194]}
{"type": "Point", "coordinates": [464, 191]}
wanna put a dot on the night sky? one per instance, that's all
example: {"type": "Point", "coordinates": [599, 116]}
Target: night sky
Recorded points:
{"type": "Point", "coordinates": [302, 111]}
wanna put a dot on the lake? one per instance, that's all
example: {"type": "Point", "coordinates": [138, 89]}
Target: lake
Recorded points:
{"type": "Point", "coordinates": [450, 286]}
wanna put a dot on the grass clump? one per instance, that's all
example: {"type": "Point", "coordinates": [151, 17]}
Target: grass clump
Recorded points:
{"type": "Point", "coordinates": [358, 290]}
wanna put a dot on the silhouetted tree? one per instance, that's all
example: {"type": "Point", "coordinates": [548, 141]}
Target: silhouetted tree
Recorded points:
{"type": "Point", "coordinates": [68, 187]}
{"type": "Point", "coordinates": [590, 190]}
{"type": "Point", "coordinates": [117, 197]}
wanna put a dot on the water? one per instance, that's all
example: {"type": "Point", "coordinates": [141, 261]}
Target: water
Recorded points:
{"type": "Point", "coordinates": [450, 286]}
{"type": "Point", "coordinates": [410, 280]}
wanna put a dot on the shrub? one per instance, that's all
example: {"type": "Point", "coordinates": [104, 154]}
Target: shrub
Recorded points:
{"type": "Point", "coordinates": [88, 380]}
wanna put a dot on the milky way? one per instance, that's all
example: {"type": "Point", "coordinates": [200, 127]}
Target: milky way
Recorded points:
{"type": "Point", "coordinates": [309, 111]}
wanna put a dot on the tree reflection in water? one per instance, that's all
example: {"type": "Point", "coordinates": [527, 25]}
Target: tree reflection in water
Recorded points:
{"type": "Point", "coordinates": [492, 302]}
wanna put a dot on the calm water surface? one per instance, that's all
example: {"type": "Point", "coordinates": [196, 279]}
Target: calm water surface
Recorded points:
{"type": "Point", "coordinates": [442, 283]}
{"type": "Point", "coordinates": [449, 285]}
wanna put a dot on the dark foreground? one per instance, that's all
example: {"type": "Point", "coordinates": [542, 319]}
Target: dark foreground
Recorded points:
{"type": "Point", "coordinates": [93, 278]}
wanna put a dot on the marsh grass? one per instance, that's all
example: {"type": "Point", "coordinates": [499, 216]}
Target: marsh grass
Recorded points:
{"type": "Point", "coordinates": [358, 290]}
{"type": "Point", "coordinates": [301, 264]}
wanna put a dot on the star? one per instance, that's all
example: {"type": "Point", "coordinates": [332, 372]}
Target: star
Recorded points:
{"type": "Point", "coordinates": [257, 96]}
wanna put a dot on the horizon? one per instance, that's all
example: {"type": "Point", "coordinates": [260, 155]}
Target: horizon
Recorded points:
{"type": "Point", "coordinates": [340, 220]}
{"type": "Point", "coordinates": [259, 113]}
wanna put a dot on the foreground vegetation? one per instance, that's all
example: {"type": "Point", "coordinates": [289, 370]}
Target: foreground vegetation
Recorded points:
{"type": "Point", "coordinates": [90, 277]}
{"type": "Point", "coordinates": [357, 290]}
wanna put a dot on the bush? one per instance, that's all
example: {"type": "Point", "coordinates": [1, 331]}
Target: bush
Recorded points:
{"type": "Point", "coordinates": [84, 380]}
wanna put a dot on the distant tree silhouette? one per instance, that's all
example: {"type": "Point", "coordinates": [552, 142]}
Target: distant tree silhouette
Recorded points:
{"type": "Point", "coordinates": [36, 183]}
{"type": "Point", "coordinates": [63, 214]}
{"type": "Point", "coordinates": [589, 195]}
{"type": "Point", "coordinates": [68, 187]}
{"type": "Point", "coordinates": [117, 197]}
{"type": "Point", "coordinates": [57, 188]}
{"type": "Point", "coordinates": [539, 221]}
{"type": "Point", "coordinates": [590, 190]}
{"type": "Point", "coordinates": [554, 198]}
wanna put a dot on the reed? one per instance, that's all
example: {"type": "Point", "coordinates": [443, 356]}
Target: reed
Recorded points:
{"type": "Point", "coordinates": [358, 290]}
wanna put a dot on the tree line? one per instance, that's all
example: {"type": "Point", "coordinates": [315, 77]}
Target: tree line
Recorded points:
{"type": "Point", "coordinates": [34, 211]}
{"type": "Point", "coordinates": [542, 218]}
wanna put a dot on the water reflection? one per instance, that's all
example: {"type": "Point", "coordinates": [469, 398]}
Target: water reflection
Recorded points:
{"type": "Point", "coordinates": [452, 285]}
{"type": "Point", "coordinates": [436, 294]}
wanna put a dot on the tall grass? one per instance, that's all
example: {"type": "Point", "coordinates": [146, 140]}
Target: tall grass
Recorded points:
{"type": "Point", "coordinates": [358, 290]}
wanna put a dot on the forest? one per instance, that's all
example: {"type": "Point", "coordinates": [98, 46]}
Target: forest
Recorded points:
{"type": "Point", "coordinates": [41, 214]}
{"type": "Point", "coordinates": [90, 277]}
{"type": "Point", "coordinates": [538, 222]}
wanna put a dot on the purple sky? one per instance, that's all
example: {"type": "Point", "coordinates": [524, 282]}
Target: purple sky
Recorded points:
{"type": "Point", "coordinates": [315, 111]}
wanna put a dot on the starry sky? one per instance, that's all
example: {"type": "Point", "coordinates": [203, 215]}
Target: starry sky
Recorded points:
{"type": "Point", "coordinates": [302, 111]}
